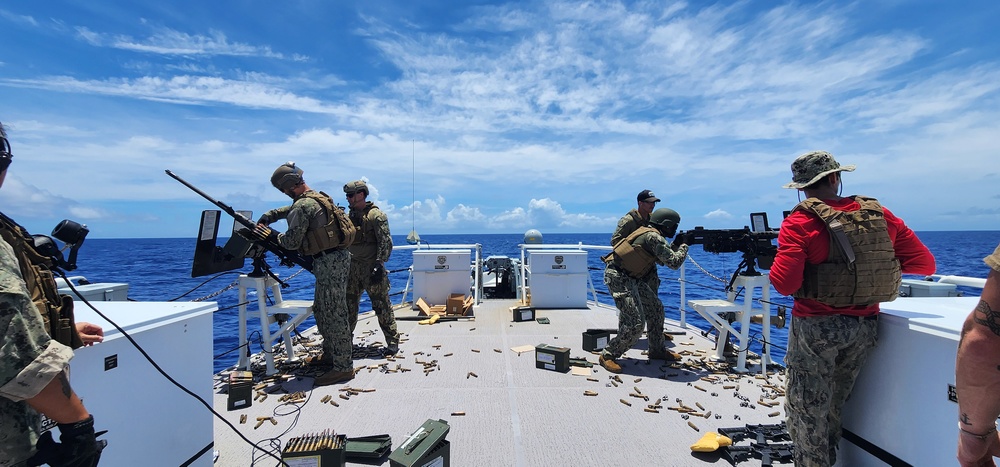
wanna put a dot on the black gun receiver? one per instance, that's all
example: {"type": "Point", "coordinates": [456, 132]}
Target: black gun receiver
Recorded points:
{"type": "Point", "coordinates": [756, 244]}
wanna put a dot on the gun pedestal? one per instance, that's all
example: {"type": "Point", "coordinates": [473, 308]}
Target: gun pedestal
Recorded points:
{"type": "Point", "coordinates": [296, 310]}
{"type": "Point", "coordinates": [714, 311]}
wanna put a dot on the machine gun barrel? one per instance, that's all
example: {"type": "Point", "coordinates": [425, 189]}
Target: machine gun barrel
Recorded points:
{"type": "Point", "coordinates": [286, 257]}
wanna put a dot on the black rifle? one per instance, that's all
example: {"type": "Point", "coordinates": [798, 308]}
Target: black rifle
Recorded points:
{"type": "Point", "coordinates": [759, 433]}
{"type": "Point", "coordinates": [285, 257]}
{"type": "Point", "coordinates": [767, 453]}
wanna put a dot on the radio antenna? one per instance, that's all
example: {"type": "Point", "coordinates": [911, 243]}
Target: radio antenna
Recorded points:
{"type": "Point", "coordinates": [413, 238]}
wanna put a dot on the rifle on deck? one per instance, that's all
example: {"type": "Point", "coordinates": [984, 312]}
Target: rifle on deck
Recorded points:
{"type": "Point", "coordinates": [286, 257]}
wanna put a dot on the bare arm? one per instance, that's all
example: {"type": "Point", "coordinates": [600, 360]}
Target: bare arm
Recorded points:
{"type": "Point", "coordinates": [58, 401]}
{"type": "Point", "coordinates": [977, 378]}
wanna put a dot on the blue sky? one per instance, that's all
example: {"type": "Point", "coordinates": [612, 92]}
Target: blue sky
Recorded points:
{"type": "Point", "coordinates": [477, 116]}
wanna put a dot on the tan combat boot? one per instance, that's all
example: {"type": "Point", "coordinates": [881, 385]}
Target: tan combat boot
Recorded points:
{"type": "Point", "coordinates": [610, 364]}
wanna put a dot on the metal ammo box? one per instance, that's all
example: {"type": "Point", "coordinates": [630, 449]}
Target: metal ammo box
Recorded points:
{"type": "Point", "coordinates": [595, 339]}
{"type": "Point", "coordinates": [550, 357]}
{"type": "Point", "coordinates": [426, 446]}
{"type": "Point", "coordinates": [522, 313]}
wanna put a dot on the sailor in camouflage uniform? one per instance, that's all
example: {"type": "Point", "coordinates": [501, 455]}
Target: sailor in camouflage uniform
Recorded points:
{"type": "Point", "coordinates": [306, 216]}
{"type": "Point", "coordinates": [33, 366]}
{"type": "Point", "coordinates": [839, 257]}
{"type": "Point", "coordinates": [632, 279]}
{"type": "Point", "coordinates": [369, 252]}
{"type": "Point", "coordinates": [638, 217]}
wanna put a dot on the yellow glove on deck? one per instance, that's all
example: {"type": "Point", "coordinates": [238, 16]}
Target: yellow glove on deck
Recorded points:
{"type": "Point", "coordinates": [711, 442]}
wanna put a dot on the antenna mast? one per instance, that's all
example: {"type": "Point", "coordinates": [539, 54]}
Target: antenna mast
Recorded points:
{"type": "Point", "coordinates": [413, 238]}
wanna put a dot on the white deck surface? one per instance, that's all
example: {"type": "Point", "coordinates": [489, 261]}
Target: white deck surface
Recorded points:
{"type": "Point", "coordinates": [515, 414]}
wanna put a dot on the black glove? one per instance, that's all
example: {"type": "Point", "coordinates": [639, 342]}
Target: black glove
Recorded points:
{"type": "Point", "coordinates": [265, 219]}
{"type": "Point", "coordinates": [378, 272]}
{"type": "Point", "coordinates": [258, 234]}
{"type": "Point", "coordinates": [78, 446]}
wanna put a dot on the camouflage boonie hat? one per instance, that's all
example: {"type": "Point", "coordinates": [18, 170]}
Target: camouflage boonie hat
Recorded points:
{"type": "Point", "coordinates": [812, 166]}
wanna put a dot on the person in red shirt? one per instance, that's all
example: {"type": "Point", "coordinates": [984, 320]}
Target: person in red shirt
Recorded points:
{"type": "Point", "coordinates": [838, 257]}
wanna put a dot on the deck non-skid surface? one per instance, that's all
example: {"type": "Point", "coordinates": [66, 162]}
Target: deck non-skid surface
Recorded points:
{"type": "Point", "coordinates": [502, 410]}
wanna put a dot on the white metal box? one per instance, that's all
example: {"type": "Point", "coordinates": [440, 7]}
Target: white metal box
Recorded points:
{"type": "Point", "coordinates": [149, 420]}
{"type": "Point", "coordinates": [439, 273]}
{"type": "Point", "coordinates": [100, 292]}
{"type": "Point", "coordinates": [558, 278]}
{"type": "Point", "coordinates": [903, 402]}
{"type": "Point", "coordinates": [918, 288]}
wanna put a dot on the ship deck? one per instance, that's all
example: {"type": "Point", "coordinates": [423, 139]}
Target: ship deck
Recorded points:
{"type": "Point", "coordinates": [500, 408]}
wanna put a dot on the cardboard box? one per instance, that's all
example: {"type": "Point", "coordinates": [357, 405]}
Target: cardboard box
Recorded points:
{"type": "Point", "coordinates": [594, 339]}
{"type": "Point", "coordinates": [456, 304]}
{"type": "Point", "coordinates": [428, 310]}
{"type": "Point", "coordinates": [549, 357]}
{"type": "Point", "coordinates": [240, 390]}
{"type": "Point", "coordinates": [424, 447]}
{"type": "Point", "coordinates": [522, 313]}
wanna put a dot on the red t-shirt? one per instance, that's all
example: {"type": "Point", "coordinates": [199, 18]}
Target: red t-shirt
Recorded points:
{"type": "Point", "coordinates": [804, 239]}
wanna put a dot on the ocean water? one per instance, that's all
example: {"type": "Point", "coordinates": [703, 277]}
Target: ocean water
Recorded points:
{"type": "Point", "coordinates": [160, 270]}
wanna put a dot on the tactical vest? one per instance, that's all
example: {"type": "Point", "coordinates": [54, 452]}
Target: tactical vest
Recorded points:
{"type": "Point", "coordinates": [330, 230]}
{"type": "Point", "coordinates": [56, 309]}
{"type": "Point", "coordinates": [364, 246]}
{"type": "Point", "coordinates": [634, 259]}
{"type": "Point", "coordinates": [861, 268]}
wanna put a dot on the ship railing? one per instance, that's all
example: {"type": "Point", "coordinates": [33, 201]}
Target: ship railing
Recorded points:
{"type": "Point", "coordinates": [525, 267]}
{"type": "Point", "coordinates": [476, 267]}
{"type": "Point", "coordinates": [974, 282]}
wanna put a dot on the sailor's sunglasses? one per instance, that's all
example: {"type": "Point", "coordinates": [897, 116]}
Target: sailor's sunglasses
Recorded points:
{"type": "Point", "coordinates": [5, 154]}
{"type": "Point", "coordinates": [351, 194]}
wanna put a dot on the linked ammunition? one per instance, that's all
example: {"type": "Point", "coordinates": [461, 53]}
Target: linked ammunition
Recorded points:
{"type": "Point", "coordinates": [325, 440]}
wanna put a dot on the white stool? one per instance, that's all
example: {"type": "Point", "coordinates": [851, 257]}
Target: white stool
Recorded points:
{"type": "Point", "coordinates": [298, 311]}
{"type": "Point", "coordinates": [714, 312]}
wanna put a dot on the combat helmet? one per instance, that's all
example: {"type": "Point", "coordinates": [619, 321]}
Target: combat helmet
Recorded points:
{"type": "Point", "coordinates": [356, 186]}
{"type": "Point", "coordinates": [286, 176]}
{"type": "Point", "coordinates": [665, 220]}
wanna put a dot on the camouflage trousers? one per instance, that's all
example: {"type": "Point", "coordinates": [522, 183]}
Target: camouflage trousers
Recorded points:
{"type": "Point", "coordinates": [330, 307]}
{"type": "Point", "coordinates": [825, 355]}
{"type": "Point", "coordinates": [638, 303]}
{"type": "Point", "coordinates": [360, 280]}
{"type": "Point", "coordinates": [19, 426]}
